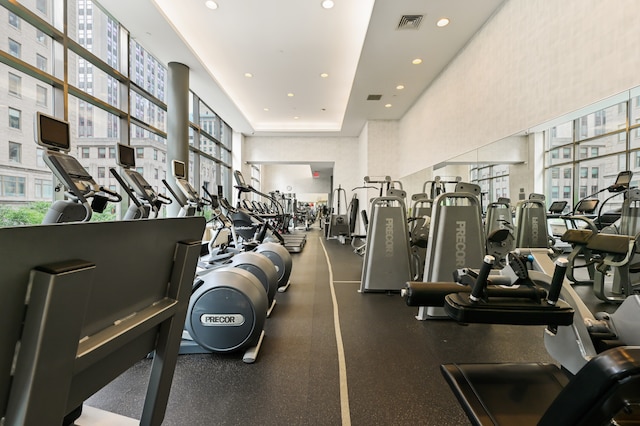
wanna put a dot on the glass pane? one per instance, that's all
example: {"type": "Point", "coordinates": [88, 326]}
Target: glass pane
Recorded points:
{"type": "Point", "coordinates": [209, 146]}
{"type": "Point", "coordinates": [24, 177]}
{"type": "Point", "coordinates": [557, 180]}
{"type": "Point", "coordinates": [209, 121]}
{"type": "Point", "coordinates": [94, 30]}
{"type": "Point", "coordinates": [27, 43]}
{"type": "Point", "coordinates": [138, 132]}
{"type": "Point", "coordinates": [192, 160]}
{"type": "Point", "coordinates": [225, 156]}
{"type": "Point", "coordinates": [42, 8]}
{"type": "Point", "coordinates": [148, 112]}
{"type": "Point", "coordinates": [559, 155]}
{"type": "Point", "coordinates": [559, 135]}
{"type": "Point", "coordinates": [596, 174]}
{"type": "Point", "coordinates": [208, 175]}
{"type": "Point", "coordinates": [602, 146]}
{"type": "Point", "coordinates": [226, 135]}
{"type": "Point", "coordinates": [92, 80]}
{"type": "Point", "coordinates": [600, 122]}
{"type": "Point", "coordinates": [147, 72]}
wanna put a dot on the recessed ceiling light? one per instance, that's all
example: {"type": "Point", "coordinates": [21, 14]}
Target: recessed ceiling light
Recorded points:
{"type": "Point", "coordinates": [399, 87]}
{"type": "Point", "coordinates": [442, 22]}
{"type": "Point", "coordinates": [324, 75]}
{"type": "Point", "coordinates": [211, 4]}
{"type": "Point", "coordinates": [416, 61]}
{"type": "Point", "coordinates": [266, 109]}
{"type": "Point", "coordinates": [290, 95]}
{"type": "Point", "coordinates": [296, 117]}
{"type": "Point", "coordinates": [248, 74]}
{"type": "Point", "coordinates": [327, 4]}
{"type": "Point", "coordinates": [388, 106]}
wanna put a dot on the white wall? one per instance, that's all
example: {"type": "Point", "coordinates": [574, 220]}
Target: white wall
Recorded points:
{"type": "Point", "coordinates": [296, 178]}
{"type": "Point", "coordinates": [534, 61]}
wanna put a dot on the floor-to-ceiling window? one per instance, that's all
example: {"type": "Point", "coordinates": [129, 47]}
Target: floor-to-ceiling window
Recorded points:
{"type": "Point", "coordinates": [81, 65]}
{"type": "Point", "coordinates": [584, 155]}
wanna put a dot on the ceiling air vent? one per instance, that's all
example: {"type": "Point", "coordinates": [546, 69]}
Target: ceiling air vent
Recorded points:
{"type": "Point", "coordinates": [374, 97]}
{"type": "Point", "coordinates": [410, 22]}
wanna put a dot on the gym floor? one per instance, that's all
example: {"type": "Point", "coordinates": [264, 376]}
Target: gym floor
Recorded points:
{"type": "Point", "coordinates": [331, 356]}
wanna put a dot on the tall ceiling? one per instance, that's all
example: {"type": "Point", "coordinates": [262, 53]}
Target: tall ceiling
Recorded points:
{"type": "Point", "coordinates": [287, 44]}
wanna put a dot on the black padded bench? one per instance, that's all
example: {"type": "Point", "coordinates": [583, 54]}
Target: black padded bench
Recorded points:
{"type": "Point", "coordinates": [607, 386]}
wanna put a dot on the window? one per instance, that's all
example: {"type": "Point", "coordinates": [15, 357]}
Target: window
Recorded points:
{"type": "Point", "coordinates": [594, 172]}
{"type": "Point", "coordinates": [554, 154]}
{"type": "Point", "coordinates": [566, 152]}
{"type": "Point", "coordinates": [41, 95]}
{"type": "Point", "coordinates": [584, 172]}
{"type": "Point", "coordinates": [155, 174]}
{"type": "Point", "coordinates": [85, 152]}
{"type": "Point", "coordinates": [14, 20]}
{"type": "Point", "coordinates": [112, 152]}
{"type": "Point", "coordinates": [566, 192]}
{"type": "Point", "coordinates": [583, 152]}
{"type": "Point", "coordinates": [41, 5]}
{"type": "Point", "coordinates": [41, 62]}
{"type": "Point", "coordinates": [101, 172]}
{"type": "Point", "coordinates": [555, 173]}
{"type": "Point", "coordinates": [14, 118]}
{"type": "Point", "coordinates": [594, 189]}
{"type": "Point", "coordinates": [15, 48]}
{"type": "Point", "coordinates": [40, 157]}
{"type": "Point", "coordinates": [102, 152]}
{"type": "Point", "coordinates": [594, 151]}
{"type": "Point", "coordinates": [41, 37]}
{"type": "Point", "coordinates": [583, 191]}
{"type": "Point", "coordinates": [12, 186]}
{"type": "Point", "coordinates": [139, 152]}
{"type": "Point", "coordinates": [15, 84]}
{"type": "Point", "coordinates": [15, 152]}
{"type": "Point", "coordinates": [140, 170]}
{"type": "Point", "coordinates": [555, 193]}
{"type": "Point", "coordinates": [567, 173]}
{"type": "Point", "coordinates": [43, 188]}
{"type": "Point", "coordinates": [155, 154]}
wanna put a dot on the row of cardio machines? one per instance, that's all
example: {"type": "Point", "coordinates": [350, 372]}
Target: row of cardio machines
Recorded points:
{"type": "Point", "coordinates": [598, 378]}
{"type": "Point", "coordinates": [235, 286]}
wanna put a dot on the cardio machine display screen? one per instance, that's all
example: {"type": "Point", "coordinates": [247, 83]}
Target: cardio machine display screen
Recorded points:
{"type": "Point", "coordinates": [52, 133]}
{"type": "Point", "coordinates": [178, 169]}
{"type": "Point", "coordinates": [126, 156]}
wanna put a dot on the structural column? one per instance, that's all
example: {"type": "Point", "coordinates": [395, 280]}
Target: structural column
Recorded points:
{"type": "Point", "coordinates": [177, 122]}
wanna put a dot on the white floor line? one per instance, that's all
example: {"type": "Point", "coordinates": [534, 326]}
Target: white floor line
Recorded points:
{"type": "Point", "coordinates": [342, 364]}
{"type": "Point", "coordinates": [347, 282]}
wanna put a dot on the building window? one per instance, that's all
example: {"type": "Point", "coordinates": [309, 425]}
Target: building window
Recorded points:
{"type": "Point", "coordinates": [555, 173]}
{"type": "Point", "coordinates": [43, 188]}
{"type": "Point", "coordinates": [14, 20]}
{"type": "Point", "coordinates": [555, 192]}
{"type": "Point", "coordinates": [139, 152]}
{"type": "Point", "coordinates": [584, 172]}
{"type": "Point", "coordinates": [102, 152]}
{"type": "Point", "coordinates": [594, 151]}
{"type": "Point", "coordinates": [566, 192]}
{"type": "Point", "coordinates": [15, 48]}
{"type": "Point", "coordinates": [567, 173]}
{"type": "Point", "coordinates": [594, 172]}
{"type": "Point", "coordinates": [41, 5]}
{"type": "Point", "coordinates": [155, 174]}
{"type": "Point", "coordinates": [554, 154]}
{"type": "Point", "coordinates": [566, 152]}
{"type": "Point", "coordinates": [140, 170]}
{"type": "Point", "coordinates": [41, 95]}
{"type": "Point", "coordinates": [583, 153]}
{"type": "Point", "coordinates": [12, 186]}
{"type": "Point", "coordinates": [155, 154]}
{"type": "Point", "coordinates": [85, 152]}
{"type": "Point", "coordinates": [15, 152]}
{"type": "Point", "coordinates": [594, 189]}
{"type": "Point", "coordinates": [112, 152]}
{"type": "Point", "coordinates": [41, 62]}
{"type": "Point", "coordinates": [15, 84]}
{"type": "Point", "coordinates": [101, 172]}
{"type": "Point", "coordinates": [583, 191]}
{"type": "Point", "coordinates": [14, 118]}
{"type": "Point", "coordinates": [41, 37]}
{"type": "Point", "coordinates": [40, 157]}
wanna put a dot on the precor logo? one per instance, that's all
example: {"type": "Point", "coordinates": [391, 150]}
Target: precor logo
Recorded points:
{"type": "Point", "coordinates": [388, 238]}
{"type": "Point", "coordinates": [461, 243]}
{"type": "Point", "coordinates": [222, 320]}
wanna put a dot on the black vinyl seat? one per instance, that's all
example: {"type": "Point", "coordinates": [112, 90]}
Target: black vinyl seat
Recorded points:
{"type": "Point", "coordinates": [607, 386]}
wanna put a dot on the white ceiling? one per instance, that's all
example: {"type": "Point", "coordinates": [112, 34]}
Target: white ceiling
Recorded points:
{"type": "Point", "coordinates": [287, 44]}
